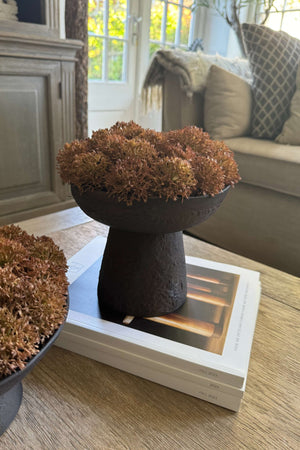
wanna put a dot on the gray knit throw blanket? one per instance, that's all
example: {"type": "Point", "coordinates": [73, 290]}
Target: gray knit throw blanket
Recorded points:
{"type": "Point", "coordinates": [192, 69]}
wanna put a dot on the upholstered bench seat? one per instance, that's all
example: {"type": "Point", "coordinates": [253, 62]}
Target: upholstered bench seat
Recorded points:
{"type": "Point", "coordinates": [267, 164]}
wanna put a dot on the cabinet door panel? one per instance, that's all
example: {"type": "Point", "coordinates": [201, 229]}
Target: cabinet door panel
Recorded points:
{"type": "Point", "coordinates": [23, 136]}
{"type": "Point", "coordinates": [30, 133]}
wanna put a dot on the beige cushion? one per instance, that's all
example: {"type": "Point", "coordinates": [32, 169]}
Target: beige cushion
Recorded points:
{"type": "Point", "coordinates": [227, 104]}
{"type": "Point", "coordinates": [290, 133]}
{"type": "Point", "coordinates": [267, 164]}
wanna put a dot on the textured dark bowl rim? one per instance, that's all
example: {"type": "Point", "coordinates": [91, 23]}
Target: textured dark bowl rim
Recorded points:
{"type": "Point", "coordinates": [136, 202]}
{"type": "Point", "coordinates": [157, 215]}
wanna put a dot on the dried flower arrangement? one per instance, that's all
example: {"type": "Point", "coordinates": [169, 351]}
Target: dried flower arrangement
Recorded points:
{"type": "Point", "coordinates": [33, 292]}
{"type": "Point", "coordinates": [131, 163]}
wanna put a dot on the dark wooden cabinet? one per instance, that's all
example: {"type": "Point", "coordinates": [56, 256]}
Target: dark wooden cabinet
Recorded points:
{"type": "Point", "coordinates": [37, 116]}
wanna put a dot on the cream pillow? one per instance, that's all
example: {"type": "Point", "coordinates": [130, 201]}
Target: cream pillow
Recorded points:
{"type": "Point", "coordinates": [290, 133]}
{"type": "Point", "coordinates": [227, 104]}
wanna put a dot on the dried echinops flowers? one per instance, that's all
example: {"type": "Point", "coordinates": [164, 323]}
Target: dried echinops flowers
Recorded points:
{"type": "Point", "coordinates": [33, 292]}
{"type": "Point", "coordinates": [131, 163]}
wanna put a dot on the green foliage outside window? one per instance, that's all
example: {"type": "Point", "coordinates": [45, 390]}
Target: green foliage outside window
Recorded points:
{"type": "Point", "coordinates": [161, 36]}
{"type": "Point", "coordinates": [106, 54]}
{"type": "Point", "coordinates": [156, 20]}
{"type": "Point", "coordinates": [107, 34]}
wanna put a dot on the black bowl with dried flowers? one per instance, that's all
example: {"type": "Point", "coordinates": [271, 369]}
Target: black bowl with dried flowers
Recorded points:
{"type": "Point", "coordinates": [147, 186]}
{"type": "Point", "coordinates": [33, 308]}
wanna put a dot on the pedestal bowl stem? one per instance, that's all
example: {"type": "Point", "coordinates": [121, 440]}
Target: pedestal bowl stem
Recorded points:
{"type": "Point", "coordinates": [10, 403]}
{"type": "Point", "coordinates": [143, 274]}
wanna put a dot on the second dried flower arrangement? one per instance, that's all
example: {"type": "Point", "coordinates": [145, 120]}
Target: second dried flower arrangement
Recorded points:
{"type": "Point", "coordinates": [131, 163]}
{"type": "Point", "coordinates": [33, 292]}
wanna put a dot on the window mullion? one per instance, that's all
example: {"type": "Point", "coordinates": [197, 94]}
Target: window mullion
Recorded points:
{"type": "Point", "coordinates": [164, 23]}
{"type": "Point", "coordinates": [178, 26]}
{"type": "Point", "coordinates": [282, 13]}
{"type": "Point", "coordinates": [284, 6]}
{"type": "Point", "coordinates": [102, 36]}
{"type": "Point", "coordinates": [192, 26]}
{"type": "Point", "coordinates": [126, 43]}
{"type": "Point", "coordinates": [105, 41]}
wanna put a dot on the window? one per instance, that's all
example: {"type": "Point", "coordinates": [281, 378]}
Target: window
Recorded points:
{"type": "Point", "coordinates": [285, 16]}
{"type": "Point", "coordinates": [172, 24]}
{"type": "Point", "coordinates": [108, 39]}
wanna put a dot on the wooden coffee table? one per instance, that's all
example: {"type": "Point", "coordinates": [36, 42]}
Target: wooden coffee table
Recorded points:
{"type": "Point", "coordinates": [74, 402]}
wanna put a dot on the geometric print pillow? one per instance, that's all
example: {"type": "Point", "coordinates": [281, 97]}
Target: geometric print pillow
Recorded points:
{"type": "Point", "coordinates": [274, 58]}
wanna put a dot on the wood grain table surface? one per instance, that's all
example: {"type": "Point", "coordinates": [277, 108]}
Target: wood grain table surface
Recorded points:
{"type": "Point", "coordinates": [72, 402]}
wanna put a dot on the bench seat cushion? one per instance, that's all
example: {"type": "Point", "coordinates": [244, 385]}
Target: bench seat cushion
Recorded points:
{"type": "Point", "coordinates": [266, 164]}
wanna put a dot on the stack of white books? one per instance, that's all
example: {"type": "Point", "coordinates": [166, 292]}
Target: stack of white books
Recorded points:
{"type": "Point", "coordinates": [202, 349]}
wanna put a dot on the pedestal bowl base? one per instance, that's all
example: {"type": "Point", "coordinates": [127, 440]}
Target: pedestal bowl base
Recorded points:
{"type": "Point", "coordinates": [10, 403]}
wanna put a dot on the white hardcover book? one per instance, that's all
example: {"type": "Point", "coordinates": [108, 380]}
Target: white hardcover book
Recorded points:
{"type": "Point", "coordinates": [203, 347]}
{"type": "Point", "coordinates": [85, 342]}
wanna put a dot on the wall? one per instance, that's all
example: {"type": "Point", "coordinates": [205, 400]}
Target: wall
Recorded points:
{"type": "Point", "coordinates": [62, 29]}
{"type": "Point", "coordinates": [215, 34]}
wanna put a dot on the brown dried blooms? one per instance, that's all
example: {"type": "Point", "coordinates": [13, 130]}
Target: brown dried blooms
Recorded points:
{"type": "Point", "coordinates": [33, 290]}
{"type": "Point", "coordinates": [131, 163]}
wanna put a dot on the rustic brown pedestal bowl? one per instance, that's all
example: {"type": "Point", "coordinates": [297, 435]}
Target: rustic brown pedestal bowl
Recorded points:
{"type": "Point", "coordinates": [143, 272]}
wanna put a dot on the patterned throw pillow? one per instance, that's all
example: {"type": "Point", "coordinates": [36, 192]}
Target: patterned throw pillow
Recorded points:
{"type": "Point", "coordinates": [290, 133]}
{"type": "Point", "coordinates": [274, 57]}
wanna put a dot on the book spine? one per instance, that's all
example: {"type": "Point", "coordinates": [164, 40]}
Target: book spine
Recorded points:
{"type": "Point", "coordinates": [222, 395]}
{"type": "Point", "coordinates": [88, 327]}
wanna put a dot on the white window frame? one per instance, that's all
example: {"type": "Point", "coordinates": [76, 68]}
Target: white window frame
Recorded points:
{"type": "Point", "coordinates": [106, 39]}
{"type": "Point", "coordinates": [177, 44]}
{"type": "Point", "coordinates": [284, 10]}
